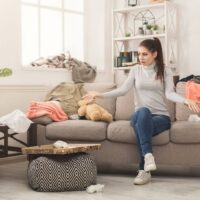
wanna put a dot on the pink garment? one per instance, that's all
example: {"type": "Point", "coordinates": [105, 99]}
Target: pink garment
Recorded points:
{"type": "Point", "coordinates": [50, 109]}
{"type": "Point", "coordinates": [193, 91]}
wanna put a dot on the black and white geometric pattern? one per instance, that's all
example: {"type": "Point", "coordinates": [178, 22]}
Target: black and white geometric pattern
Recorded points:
{"type": "Point", "coordinates": [62, 172]}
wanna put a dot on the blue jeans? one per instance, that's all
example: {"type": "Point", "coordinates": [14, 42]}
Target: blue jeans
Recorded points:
{"type": "Point", "coordinates": [146, 125]}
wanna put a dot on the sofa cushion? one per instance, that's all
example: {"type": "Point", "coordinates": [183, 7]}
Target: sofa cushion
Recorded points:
{"type": "Point", "coordinates": [171, 109]}
{"type": "Point", "coordinates": [125, 106]}
{"type": "Point", "coordinates": [185, 132]}
{"type": "Point", "coordinates": [182, 111]}
{"type": "Point", "coordinates": [121, 131]}
{"type": "Point", "coordinates": [108, 103]}
{"type": "Point", "coordinates": [85, 130]}
{"type": "Point", "coordinates": [44, 120]}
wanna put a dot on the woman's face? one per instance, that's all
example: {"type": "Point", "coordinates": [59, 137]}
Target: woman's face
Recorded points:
{"type": "Point", "coordinates": [145, 56]}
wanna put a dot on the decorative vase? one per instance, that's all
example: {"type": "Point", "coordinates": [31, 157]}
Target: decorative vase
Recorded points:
{"type": "Point", "coordinates": [140, 31]}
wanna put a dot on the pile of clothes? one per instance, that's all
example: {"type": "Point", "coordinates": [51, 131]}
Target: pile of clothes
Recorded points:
{"type": "Point", "coordinates": [60, 104]}
{"type": "Point", "coordinates": [81, 71]}
{"type": "Point", "coordinates": [192, 87]}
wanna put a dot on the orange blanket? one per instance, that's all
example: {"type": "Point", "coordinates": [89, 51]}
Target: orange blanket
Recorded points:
{"type": "Point", "coordinates": [193, 91]}
{"type": "Point", "coordinates": [53, 111]}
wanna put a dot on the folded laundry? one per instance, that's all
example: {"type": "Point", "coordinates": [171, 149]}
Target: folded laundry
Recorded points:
{"type": "Point", "coordinates": [48, 108]}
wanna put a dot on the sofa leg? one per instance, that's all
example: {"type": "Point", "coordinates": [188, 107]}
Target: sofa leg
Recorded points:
{"type": "Point", "coordinates": [32, 135]}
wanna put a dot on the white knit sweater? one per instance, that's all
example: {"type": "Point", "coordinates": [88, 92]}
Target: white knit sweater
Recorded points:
{"type": "Point", "coordinates": [148, 92]}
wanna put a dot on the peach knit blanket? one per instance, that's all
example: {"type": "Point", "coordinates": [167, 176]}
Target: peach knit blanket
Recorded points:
{"type": "Point", "coordinates": [47, 108]}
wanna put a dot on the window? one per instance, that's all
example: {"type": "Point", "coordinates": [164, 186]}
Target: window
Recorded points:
{"type": "Point", "coordinates": [50, 27]}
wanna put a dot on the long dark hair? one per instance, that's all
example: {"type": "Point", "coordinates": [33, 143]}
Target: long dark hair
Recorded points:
{"type": "Point", "coordinates": [154, 45]}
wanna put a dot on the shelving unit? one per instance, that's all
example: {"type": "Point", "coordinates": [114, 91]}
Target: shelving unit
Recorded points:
{"type": "Point", "coordinates": [138, 8]}
{"type": "Point", "coordinates": [138, 37]}
{"type": "Point", "coordinates": [123, 68]}
{"type": "Point", "coordinates": [126, 21]}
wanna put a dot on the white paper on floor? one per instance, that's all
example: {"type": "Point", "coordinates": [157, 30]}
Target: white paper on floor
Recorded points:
{"type": "Point", "coordinates": [94, 188]}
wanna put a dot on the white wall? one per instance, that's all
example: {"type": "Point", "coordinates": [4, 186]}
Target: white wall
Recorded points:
{"type": "Point", "coordinates": [98, 36]}
{"type": "Point", "coordinates": [188, 36]}
{"type": "Point", "coordinates": [96, 40]}
{"type": "Point", "coordinates": [19, 97]}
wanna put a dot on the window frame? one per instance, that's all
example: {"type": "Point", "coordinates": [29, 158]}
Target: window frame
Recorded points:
{"type": "Point", "coordinates": [63, 11]}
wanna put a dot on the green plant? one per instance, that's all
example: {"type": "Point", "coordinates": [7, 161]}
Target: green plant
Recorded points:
{"type": "Point", "coordinates": [145, 23]}
{"type": "Point", "coordinates": [5, 72]}
{"type": "Point", "coordinates": [154, 27]}
{"type": "Point", "coordinates": [149, 26]}
{"type": "Point", "coordinates": [128, 34]}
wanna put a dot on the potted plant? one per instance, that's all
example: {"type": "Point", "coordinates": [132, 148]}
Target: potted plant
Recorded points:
{"type": "Point", "coordinates": [128, 34]}
{"type": "Point", "coordinates": [148, 30]}
{"type": "Point", "coordinates": [155, 28]}
{"type": "Point", "coordinates": [5, 72]}
{"type": "Point", "coordinates": [145, 23]}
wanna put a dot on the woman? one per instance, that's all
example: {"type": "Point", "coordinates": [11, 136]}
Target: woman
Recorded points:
{"type": "Point", "coordinates": [152, 83]}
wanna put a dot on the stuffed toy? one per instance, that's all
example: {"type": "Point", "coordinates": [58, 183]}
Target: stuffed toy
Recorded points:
{"type": "Point", "coordinates": [93, 111]}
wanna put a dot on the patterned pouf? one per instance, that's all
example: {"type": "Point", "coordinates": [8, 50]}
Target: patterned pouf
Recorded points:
{"type": "Point", "coordinates": [62, 172]}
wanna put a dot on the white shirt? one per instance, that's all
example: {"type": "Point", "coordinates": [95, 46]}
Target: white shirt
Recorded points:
{"type": "Point", "coordinates": [148, 91]}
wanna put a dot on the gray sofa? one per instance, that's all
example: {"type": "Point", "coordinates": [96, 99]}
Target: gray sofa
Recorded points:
{"type": "Point", "coordinates": [177, 151]}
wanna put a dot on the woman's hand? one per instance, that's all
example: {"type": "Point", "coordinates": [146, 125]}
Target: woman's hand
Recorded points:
{"type": "Point", "coordinates": [91, 96]}
{"type": "Point", "coordinates": [192, 105]}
